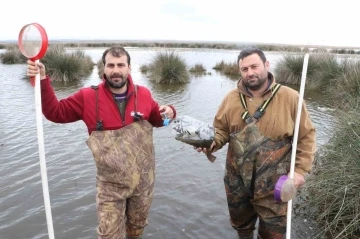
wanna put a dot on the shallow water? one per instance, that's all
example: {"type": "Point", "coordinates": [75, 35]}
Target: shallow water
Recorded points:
{"type": "Point", "coordinates": [189, 199]}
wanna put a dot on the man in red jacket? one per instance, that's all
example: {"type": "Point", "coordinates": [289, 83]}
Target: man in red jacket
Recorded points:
{"type": "Point", "coordinates": [120, 117]}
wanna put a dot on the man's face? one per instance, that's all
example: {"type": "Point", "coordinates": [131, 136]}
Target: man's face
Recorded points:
{"type": "Point", "coordinates": [116, 70]}
{"type": "Point", "coordinates": [254, 72]}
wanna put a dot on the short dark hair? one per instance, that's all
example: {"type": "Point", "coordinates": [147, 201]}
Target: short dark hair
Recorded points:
{"type": "Point", "coordinates": [116, 51]}
{"type": "Point", "coordinates": [249, 51]}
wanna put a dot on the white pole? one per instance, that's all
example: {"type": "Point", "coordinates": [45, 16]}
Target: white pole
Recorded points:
{"type": "Point", "coordinates": [295, 139]}
{"type": "Point", "coordinates": [40, 134]}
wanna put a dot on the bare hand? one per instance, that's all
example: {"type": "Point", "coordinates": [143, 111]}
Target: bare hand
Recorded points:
{"type": "Point", "coordinates": [212, 147]}
{"type": "Point", "coordinates": [298, 179]}
{"type": "Point", "coordinates": [166, 111]}
{"type": "Point", "coordinates": [33, 69]}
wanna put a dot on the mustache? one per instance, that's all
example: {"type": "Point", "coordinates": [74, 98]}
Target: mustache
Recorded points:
{"type": "Point", "coordinates": [116, 75]}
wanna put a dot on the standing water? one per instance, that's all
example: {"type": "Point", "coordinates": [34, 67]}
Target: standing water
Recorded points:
{"type": "Point", "coordinates": [189, 200]}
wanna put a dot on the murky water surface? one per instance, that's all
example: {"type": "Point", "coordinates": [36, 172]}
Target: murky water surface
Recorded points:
{"type": "Point", "coordinates": [189, 199]}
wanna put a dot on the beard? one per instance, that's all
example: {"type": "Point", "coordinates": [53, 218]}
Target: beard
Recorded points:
{"type": "Point", "coordinates": [116, 81]}
{"type": "Point", "coordinates": [255, 83]}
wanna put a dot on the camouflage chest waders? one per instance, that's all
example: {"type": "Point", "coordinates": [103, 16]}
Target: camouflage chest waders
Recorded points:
{"type": "Point", "coordinates": [253, 165]}
{"type": "Point", "coordinates": [125, 165]}
{"type": "Point", "coordinates": [125, 162]}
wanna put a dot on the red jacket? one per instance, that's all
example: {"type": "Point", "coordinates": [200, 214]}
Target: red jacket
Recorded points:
{"type": "Point", "coordinates": [82, 106]}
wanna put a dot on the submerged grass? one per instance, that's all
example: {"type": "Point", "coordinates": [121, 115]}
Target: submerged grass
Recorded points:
{"type": "Point", "coordinates": [168, 68]}
{"type": "Point", "coordinates": [198, 69]}
{"type": "Point", "coordinates": [219, 66]}
{"type": "Point", "coordinates": [229, 69]}
{"type": "Point", "coordinates": [63, 66]}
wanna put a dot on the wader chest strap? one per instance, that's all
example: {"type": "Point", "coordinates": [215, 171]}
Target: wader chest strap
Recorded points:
{"type": "Point", "coordinates": [137, 116]}
{"type": "Point", "coordinates": [99, 123]}
{"type": "Point", "coordinates": [261, 110]}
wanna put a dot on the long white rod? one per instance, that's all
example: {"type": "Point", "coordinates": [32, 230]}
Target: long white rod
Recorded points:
{"type": "Point", "coordinates": [40, 135]}
{"type": "Point", "coordinates": [295, 139]}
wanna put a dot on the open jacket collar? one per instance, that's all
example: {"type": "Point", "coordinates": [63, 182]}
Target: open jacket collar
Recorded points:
{"type": "Point", "coordinates": [243, 89]}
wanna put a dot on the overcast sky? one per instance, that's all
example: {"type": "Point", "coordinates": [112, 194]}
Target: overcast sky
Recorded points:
{"type": "Point", "coordinates": [310, 22]}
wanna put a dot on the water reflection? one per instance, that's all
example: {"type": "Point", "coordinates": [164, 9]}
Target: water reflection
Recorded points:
{"type": "Point", "coordinates": [169, 94]}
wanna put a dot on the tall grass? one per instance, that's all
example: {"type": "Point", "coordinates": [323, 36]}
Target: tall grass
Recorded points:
{"type": "Point", "coordinates": [346, 88]}
{"type": "Point", "coordinates": [229, 69]}
{"type": "Point", "coordinates": [344, 51]}
{"type": "Point", "coordinates": [323, 70]}
{"type": "Point", "coordinates": [198, 69]}
{"type": "Point", "coordinates": [63, 66]}
{"type": "Point", "coordinates": [219, 66]}
{"type": "Point", "coordinates": [334, 188]}
{"type": "Point", "coordinates": [12, 55]}
{"type": "Point", "coordinates": [168, 68]}
{"type": "Point", "coordinates": [327, 69]}
{"type": "Point", "coordinates": [100, 67]}
{"type": "Point", "coordinates": [144, 68]}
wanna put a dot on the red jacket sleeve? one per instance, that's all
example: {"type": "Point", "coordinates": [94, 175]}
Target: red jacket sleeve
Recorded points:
{"type": "Point", "coordinates": [64, 111]}
{"type": "Point", "coordinates": [155, 117]}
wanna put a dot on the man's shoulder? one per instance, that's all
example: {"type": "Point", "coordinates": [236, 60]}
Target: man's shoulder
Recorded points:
{"type": "Point", "coordinates": [233, 93]}
{"type": "Point", "coordinates": [142, 89]}
{"type": "Point", "coordinates": [287, 94]}
{"type": "Point", "coordinates": [286, 91]}
{"type": "Point", "coordinates": [90, 89]}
